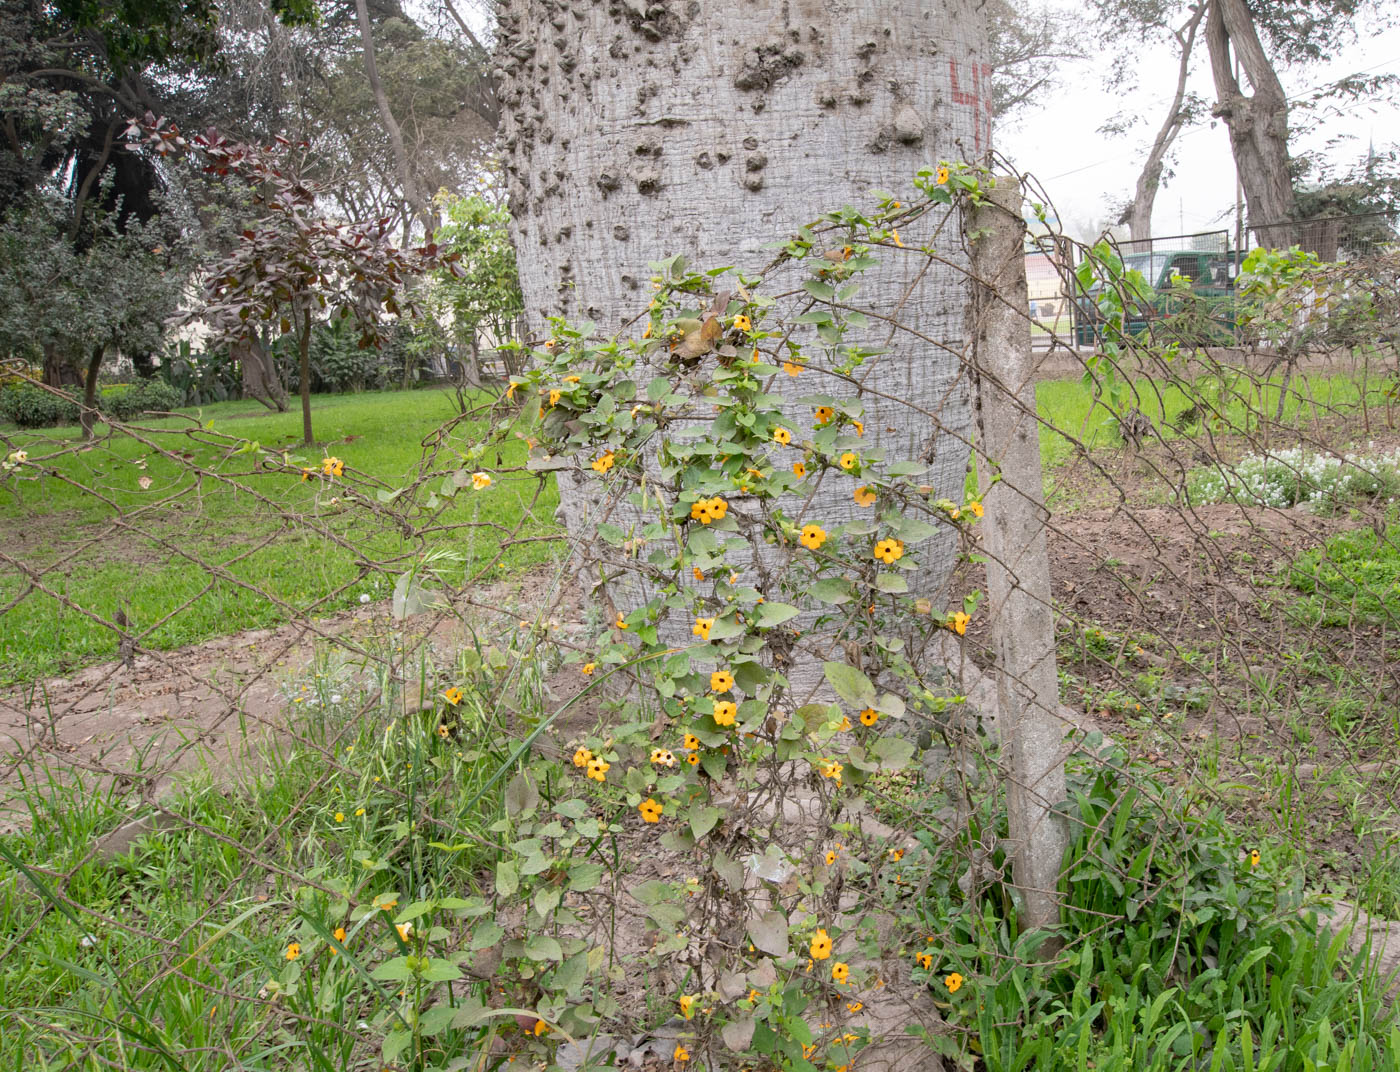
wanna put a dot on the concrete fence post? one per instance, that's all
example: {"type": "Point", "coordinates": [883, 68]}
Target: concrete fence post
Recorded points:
{"type": "Point", "coordinates": [1014, 543]}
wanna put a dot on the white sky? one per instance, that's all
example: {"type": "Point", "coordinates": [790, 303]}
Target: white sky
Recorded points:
{"type": "Point", "coordinates": [1085, 172]}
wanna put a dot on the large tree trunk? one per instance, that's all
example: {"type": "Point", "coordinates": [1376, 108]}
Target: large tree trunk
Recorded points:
{"type": "Point", "coordinates": [1258, 124]}
{"type": "Point", "coordinates": [260, 379]}
{"type": "Point", "coordinates": [88, 417]}
{"type": "Point", "coordinates": [633, 132]}
{"type": "Point", "coordinates": [1138, 214]}
{"type": "Point", "coordinates": [58, 369]}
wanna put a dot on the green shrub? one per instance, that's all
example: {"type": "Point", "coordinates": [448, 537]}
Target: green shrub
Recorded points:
{"type": "Point", "coordinates": [129, 401]}
{"type": "Point", "coordinates": [33, 407]}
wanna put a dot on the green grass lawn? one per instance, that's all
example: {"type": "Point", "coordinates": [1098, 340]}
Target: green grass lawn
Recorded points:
{"type": "Point", "coordinates": [255, 520]}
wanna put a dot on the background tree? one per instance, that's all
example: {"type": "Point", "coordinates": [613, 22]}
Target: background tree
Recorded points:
{"type": "Point", "coordinates": [296, 267]}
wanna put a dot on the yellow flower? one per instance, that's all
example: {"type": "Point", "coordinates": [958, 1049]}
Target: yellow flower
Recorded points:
{"type": "Point", "coordinates": [588, 668]}
{"type": "Point", "coordinates": [975, 508]}
{"type": "Point", "coordinates": [453, 696]}
{"type": "Point", "coordinates": [718, 507]}
{"type": "Point", "coordinates": [696, 572]}
{"type": "Point", "coordinates": [582, 757]}
{"type": "Point", "coordinates": [823, 414]}
{"type": "Point", "coordinates": [830, 857]}
{"type": "Point", "coordinates": [359, 811]}
{"type": "Point", "coordinates": [848, 460]}
{"type": "Point", "coordinates": [782, 436]}
{"type": "Point", "coordinates": [603, 462]}
{"type": "Point", "coordinates": [662, 757]}
{"type": "Point", "coordinates": [840, 972]}
{"type": "Point", "coordinates": [405, 930]}
{"type": "Point", "coordinates": [690, 742]}
{"type": "Point", "coordinates": [845, 723]}
{"type": "Point", "coordinates": [541, 1028]}
{"type": "Point", "coordinates": [792, 368]}
{"type": "Point", "coordinates": [925, 960]}
{"type": "Point", "coordinates": [1254, 858]}
{"type": "Point", "coordinates": [895, 235]}
{"type": "Point", "coordinates": [700, 511]}
{"type": "Point", "coordinates": [860, 428]}
{"type": "Point", "coordinates": [444, 732]}
{"type": "Point", "coordinates": [957, 622]}
{"type": "Point", "coordinates": [799, 470]}
{"type": "Point", "coordinates": [621, 622]}
{"type": "Point", "coordinates": [743, 323]}
{"type": "Point", "coordinates": [339, 935]}
{"type": "Point", "coordinates": [687, 1004]}
{"type": "Point", "coordinates": [332, 466]}
{"type": "Point", "coordinates": [853, 1006]}
{"type": "Point", "coordinates": [821, 945]}
{"type": "Point", "coordinates": [702, 627]}
{"type": "Point", "coordinates": [481, 481]}
{"type": "Point", "coordinates": [340, 817]}
{"type": "Point", "coordinates": [571, 379]}
{"type": "Point", "coordinates": [869, 716]}
{"type": "Point", "coordinates": [833, 771]}
{"type": "Point", "coordinates": [554, 396]}
{"type": "Point", "coordinates": [888, 551]}
{"type": "Point", "coordinates": [942, 174]}
{"type": "Point", "coordinates": [721, 681]}
{"type": "Point", "coordinates": [647, 333]}
{"type": "Point", "coordinates": [813, 536]}
{"type": "Point", "coordinates": [693, 759]}
{"type": "Point", "coordinates": [510, 391]}
{"type": "Point", "coordinates": [865, 495]}
{"type": "Point", "coordinates": [306, 474]}
{"type": "Point", "coordinates": [293, 950]}
{"type": "Point", "coordinates": [725, 712]}
{"type": "Point", "coordinates": [598, 769]}
{"type": "Point", "coordinates": [651, 810]}
{"type": "Point", "coordinates": [953, 982]}
{"type": "Point", "coordinates": [896, 855]}
{"type": "Point", "coordinates": [681, 1054]}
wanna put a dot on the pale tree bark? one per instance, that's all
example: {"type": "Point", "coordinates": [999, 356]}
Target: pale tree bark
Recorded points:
{"type": "Point", "coordinates": [1259, 123]}
{"type": "Point", "coordinates": [633, 131]}
{"type": "Point", "coordinates": [418, 204]}
{"type": "Point", "coordinates": [1138, 214]}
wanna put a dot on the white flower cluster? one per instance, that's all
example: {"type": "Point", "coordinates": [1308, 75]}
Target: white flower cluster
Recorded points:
{"type": "Point", "coordinates": [1291, 476]}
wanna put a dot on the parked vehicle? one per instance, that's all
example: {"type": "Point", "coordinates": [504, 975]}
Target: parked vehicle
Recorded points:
{"type": "Point", "coordinates": [1192, 299]}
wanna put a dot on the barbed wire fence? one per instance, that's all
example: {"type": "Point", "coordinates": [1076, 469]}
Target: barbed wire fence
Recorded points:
{"type": "Point", "coordinates": [407, 820]}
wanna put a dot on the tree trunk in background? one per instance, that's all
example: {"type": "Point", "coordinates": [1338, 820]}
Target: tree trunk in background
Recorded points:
{"type": "Point", "coordinates": [1258, 124]}
{"type": "Point", "coordinates": [417, 203]}
{"type": "Point", "coordinates": [58, 369]}
{"type": "Point", "coordinates": [260, 379]}
{"type": "Point", "coordinates": [632, 132]}
{"type": "Point", "coordinates": [304, 355]}
{"type": "Point", "coordinates": [1138, 214]}
{"type": "Point", "coordinates": [88, 417]}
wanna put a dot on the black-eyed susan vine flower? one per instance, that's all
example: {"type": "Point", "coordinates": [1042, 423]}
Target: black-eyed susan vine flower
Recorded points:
{"type": "Point", "coordinates": [957, 622]}
{"type": "Point", "coordinates": [812, 537]}
{"type": "Point", "coordinates": [690, 742]}
{"type": "Point", "coordinates": [725, 712]}
{"type": "Point", "coordinates": [833, 771]}
{"type": "Point", "coordinates": [823, 414]}
{"type": "Point", "coordinates": [782, 436]}
{"type": "Point", "coordinates": [687, 1005]}
{"type": "Point", "coordinates": [444, 732]}
{"type": "Point", "coordinates": [799, 470]}
{"type": "Point", "coordinates": [888, 551]}
{"type": "Point", "coordinates": [588, 669]}
{"type": "Point", "coordinates": [582, 757]}
{"type": "Point", "coordinates": [680, 1054]}
{"type": "Point", "coordinates": [332, 467]}
{"type": "Point", "coordinates": [792, 368]}
{"type": "Point", "coordinates": [942, 175]}
{"type": "Point", "coordinates": [1254, 858]}
{"type": "Point", "coordinates": [849, 460]}
{"type": "Point", "coordinates": [693, 759]}
{"type": "Point", "coordinates": [820, 948]}
{"type": "Point", "coordinates": [925, 960]}
{"type": "Point", "coordinates": [743, 323]}
{"type": "Point", "coordinates": [650, 810]}
{"type": "Point", "coordinates": [840, 972]}
{"type": "Point", "coordinates": [453, 696]}
{"type": "Point", "coordinates": [953, 981]}
{"type": "Point", "coordinates": [293, 950]}
{"type": "Point", "coordinates": [896, 855]}
{"type": "Point", "coordinates": [598, 769]}
{"type": "Point", "coordinates": [697, 573]}
{"type": "Point", "coordinates": [830, 857]}
{"type": "Point", "coordinates": [540, 1028]}
{"type": "Point", "coordinates": [621, 622]}
{"type": "Point", "coordinates": [865, 495]}
{"type": "Point", "coordinates": [663, 757]}
{"type": "Point", "coordinates": [603, 462]}
{"type": "Point", "coordinates": [869, 717]}
{"type": "Point", "coordinates": [481, 481]}
{"type": "Point", "coordinates": [721, 681]}
{"type": "Point", "coordinates": [975, 508]}
{"type": "Point", "coordinates": [702, 628]}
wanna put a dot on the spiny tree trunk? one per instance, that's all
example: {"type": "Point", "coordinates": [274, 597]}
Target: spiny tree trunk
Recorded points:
{"type": "Point", "coordinates": [418, 204]}
{"type": "Point", "coordinates": [1258, 124]}
{"type": "Point", "coordinates": [634, 131]}
{"type": "Point", "coordinates": [1138, 214]}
